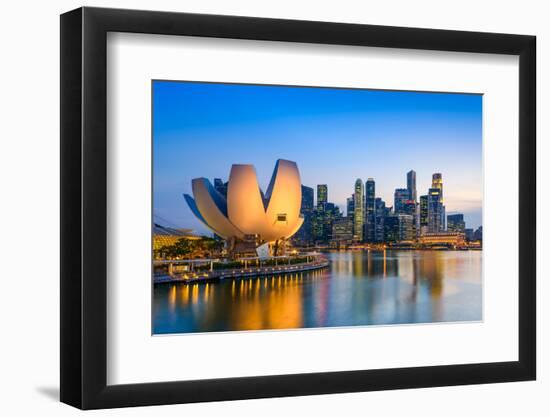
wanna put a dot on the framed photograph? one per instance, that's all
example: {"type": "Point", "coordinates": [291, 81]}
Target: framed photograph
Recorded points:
{"type": "Point", "coordinates": [256, 208]}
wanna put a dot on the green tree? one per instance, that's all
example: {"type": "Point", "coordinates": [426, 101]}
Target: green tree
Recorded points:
{"type": "Point", "coordinates": [210, 245]}
{"type": "Point", "coordinates": [205, 246]}
{"type": "Point", "coordinates": [182, 248]}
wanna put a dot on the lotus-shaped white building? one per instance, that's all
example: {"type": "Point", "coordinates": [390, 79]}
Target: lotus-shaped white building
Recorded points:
{"type": "Point", "coordinates": [247, 210]}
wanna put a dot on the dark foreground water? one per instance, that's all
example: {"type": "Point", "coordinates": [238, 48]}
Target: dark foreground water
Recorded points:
{"type": "Point", "coordinates": [359, 288]}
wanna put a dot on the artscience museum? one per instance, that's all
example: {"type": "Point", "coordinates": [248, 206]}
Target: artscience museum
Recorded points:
{"type": "Point", "coordinates": [247, 212]}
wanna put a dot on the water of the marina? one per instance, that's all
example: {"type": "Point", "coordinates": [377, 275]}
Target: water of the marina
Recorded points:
{"type": "Point", "coordinates": [357, 289]}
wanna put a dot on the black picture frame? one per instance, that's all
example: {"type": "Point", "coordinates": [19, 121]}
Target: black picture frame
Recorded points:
{"type": "Point", "coordinates": [84, 207]}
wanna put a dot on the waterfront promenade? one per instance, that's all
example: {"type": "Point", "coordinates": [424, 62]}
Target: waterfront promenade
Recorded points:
{"type": "Point", "coordinates": [204, 270]}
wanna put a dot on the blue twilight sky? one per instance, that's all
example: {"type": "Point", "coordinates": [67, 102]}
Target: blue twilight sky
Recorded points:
{"type": "Point", "coordinates": [334, 135]}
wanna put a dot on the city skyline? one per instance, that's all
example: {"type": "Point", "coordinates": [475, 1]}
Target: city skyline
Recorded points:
{"type": "Point", "coordinates": [393, 127]}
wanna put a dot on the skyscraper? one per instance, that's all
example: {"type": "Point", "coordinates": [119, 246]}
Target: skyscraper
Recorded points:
{"type": "Point", "coordinates": [410, 207]}
{"type": "Point", "coordinates": [400, 197]}
{"type": "Point", "coordinates": [379, 216]}
{"type": "Point", "coordinates": [220, 186]}
{"type": "Point", "coordinates": [359, 211]}
{"type": "Point", "coordinates": [370, 209]}
{"type": "Point", "coordinates": [350, 206]}
{"type": "Point", "coordinates": [437, 182]}
{"type": "Point", "coordinates": [305, 233]}
{"type": "Point", "coordinates": [342, 230]}
{"type": "Point", "coordinates": [322, 194]}
{"type": "Point", "coordinates": [423, 221]}
{"type": "Point", "coordinates": [411, 185]}
{"type": "Point", "coordinates": [307, 199]}
{"type": "Point", "coordinates": [391, 228]}
{"type": "Point", "coordinates": [406, 227]}
{"type": "Point", "coordinates": [478, 234]}
{"type": "Point", "coordinates": [435, 211]}
{"type": "Point", "coordinates": [455, 223]}
{"type": "Point", "coordinates": [318, 224]}
{"type": "Point", "coordinates": [331, 213]}
{"type": "Point", "coordinates": [324, 215]}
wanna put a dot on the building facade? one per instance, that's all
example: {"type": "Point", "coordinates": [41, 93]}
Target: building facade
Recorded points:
{"type": "Point", "coordinates": [358, 211]}
{"type": "Point", "coordinates": [453, 239]}
{"type": "Point", "coordinates": [406, 229]}
{"type": "Point", "coordinates": [220, 186]}
{"type": "Point", "coordinates": [370, 209]}
{"type": "Point", "coordinates": [322, 194]}
{"type": "Point", "coordinates": [380, 214]}
{"type": "Point", "coordinates": [342, 231]}
{"type": "Point", "coordinates": [411, 185]}
{"type": "Point", "coordinates": [455, 223]}
{"type": "Point", "coordinates": [437, 182]}
{"type": "Point", "coordinates": [391, 229]}
{"type": "Point", "coordinates": [478, 234]}
{"type": "Point", "coordinates": [247, 211]}
{"type": "Point", "coordinates": [350, 206]}
{"type": "Point", "coordinates": [423, 214]}
{"type": "Point", "coordinates": [400, 197]}
{"type": "Point", "coordinates": [304, 236]}
{"type": "Point", "coordinates": [435, 211]}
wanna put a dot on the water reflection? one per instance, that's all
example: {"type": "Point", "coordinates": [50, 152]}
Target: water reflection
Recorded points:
{"type": "Point", "coordinates": [359, 288]}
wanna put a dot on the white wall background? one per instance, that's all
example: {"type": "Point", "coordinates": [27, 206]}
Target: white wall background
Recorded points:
{"type": "Point", "coordinates": [29, 177]}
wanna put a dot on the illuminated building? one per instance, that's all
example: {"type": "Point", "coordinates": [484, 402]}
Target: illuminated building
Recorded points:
{"type": "Point", "coordinates": [342, 230]}
{"type": "Point", "coordinates": [455, 223]}
{"type": "Point", "coordinates": [370, 209]}
{"type": "Point", "coordinates": [437, 182]}
{"type": "Point", "coordinates": [331, 214]}
{"type": "Point", "coordinates": [322, 194]}
{"type": "Point", "coordinates": [410, 208]}
{"type": "Point", "coordinates": [399, 228]}
{"type": "Point", "coordinates": [323, 217]}
{"type": "Point", "coordinates": [406, 230]}
{"type": "Point", "coordinates": [307, 199]}
{"type": "Point", "coordinates": [423, 215]}
{"type": "Point", "coordinates": [350, 206]}
{"type": "Point", "coordinates": [380, 214]}
{"type": "Point", "coordinates": [304, 235]}
{"type": "Point", "coordinates": [359, 211]}
{"type": "Point", "coordinates": [391, 229]}
{"type": "Point", "coordinates": [318, 224]}
{"type": "Point", "coordinates": [469, 234]}
{"type": "Point", "coordinates": [411, 185]}
{"type": "Point", "coordinates": [168, 236]}
{"type": "Point", "coordinates": [442, 238]}
{"type": "Point", "coordinates": [247, 211]}
{"type": "Point", "coordinates": [400, 196]}
{"type": "Point", "coordinates": [435, 211]}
